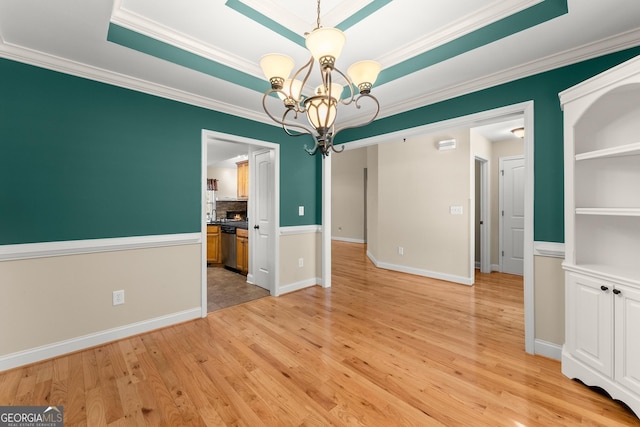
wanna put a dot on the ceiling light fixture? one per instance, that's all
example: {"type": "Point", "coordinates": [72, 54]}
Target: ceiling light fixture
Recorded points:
{"type": "Point", "coordinates": [519, 132]}
{"type": "Point", "coordinates": [321, 108]}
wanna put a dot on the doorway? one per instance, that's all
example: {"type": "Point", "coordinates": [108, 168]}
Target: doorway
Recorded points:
{"type": "Point", "coordinates": [482, 237]}
{"type": "Point", "coordinates": [524, 110]}
{"type": "Point", "coordinates": [266, 252]}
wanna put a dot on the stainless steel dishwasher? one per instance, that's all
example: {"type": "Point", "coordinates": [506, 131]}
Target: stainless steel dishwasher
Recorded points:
{"type": "Point", "coordinates": [228, 235]}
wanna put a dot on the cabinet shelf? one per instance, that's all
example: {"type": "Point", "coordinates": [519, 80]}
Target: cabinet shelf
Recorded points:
{"type": "Point", "coordinates": [609, 211]}
{"type": "Point", "coordinates": [620, 151]}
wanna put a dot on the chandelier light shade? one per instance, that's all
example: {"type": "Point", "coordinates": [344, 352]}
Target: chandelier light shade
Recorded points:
{"type": "Point", "coordinates": [321, 111]}
{"type": "Point", "coordinates": [325, 44]}
{"type": "Point", "coordinates": [321, 106]}
{"type": "Point", "coordinates": [277, 68]}
{"type": "Point", "coordinates": [364, 74]}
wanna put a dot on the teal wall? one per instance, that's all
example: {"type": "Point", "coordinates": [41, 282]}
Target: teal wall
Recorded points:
{"type": "Point", "coordinates": [81, 159]}
{"type": "Point", "coordinates": [543, 89]}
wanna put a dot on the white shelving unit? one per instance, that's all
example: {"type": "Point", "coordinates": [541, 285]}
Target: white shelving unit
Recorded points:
{"type": "Point", "coordinates": [602, 232]}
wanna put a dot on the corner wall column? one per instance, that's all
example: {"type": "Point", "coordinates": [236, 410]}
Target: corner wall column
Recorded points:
{"type": "Point", "coordinates": [326, 222]}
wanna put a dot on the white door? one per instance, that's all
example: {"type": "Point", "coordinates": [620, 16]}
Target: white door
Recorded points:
{"type": "Point", "coordinates": [512, 179]}
{"type": "Point", "coordinates": [262, 234]}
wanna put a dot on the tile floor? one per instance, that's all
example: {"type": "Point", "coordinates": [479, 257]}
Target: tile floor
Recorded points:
{"type": "Point", "coordinates": [226, 288]}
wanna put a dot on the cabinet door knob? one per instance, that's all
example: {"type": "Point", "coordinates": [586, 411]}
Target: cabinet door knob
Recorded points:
{"type": "Point", "coordinates": [255, 227]}
{"type": "Point", "coordinates": [604, 288]}
{"type": "Point", "coordinates": [617, 291]}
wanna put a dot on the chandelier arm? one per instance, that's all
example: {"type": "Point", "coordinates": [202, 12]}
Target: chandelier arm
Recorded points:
{"type": "Point", "coordinates": [309, 67]}
{"type": "Point", "coordinates": [314, 150]}
{"type": "Point", "coordinates": [352, 95]}
{"type": "Point", "coordinates": [333, 147]}
{"type": "Point", "coordinates": [282, 122]}
{"type": "Point", "coordinates": [356, 101]}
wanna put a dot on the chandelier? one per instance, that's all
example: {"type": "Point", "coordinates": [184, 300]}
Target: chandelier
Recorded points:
{"type": "Point", "coordinates": [321, 107]}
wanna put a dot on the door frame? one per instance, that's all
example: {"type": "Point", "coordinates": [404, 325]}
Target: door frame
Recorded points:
{"type": "Point", "coordinates": [485, 216]}
{"type": "Point", "coordinates": [501, 233]}
{"type": "Point", "coordinates": [525, 109]}
{"type": "Point", "coordinates": [211, 136]}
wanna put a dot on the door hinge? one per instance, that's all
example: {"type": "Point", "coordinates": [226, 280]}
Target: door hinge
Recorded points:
{"type": "Point", "coordinates": [502, 213]}
{"type": "Point", "coordinates": [502, 172]}
{"type": "Point", "coordinates": [502, 253]}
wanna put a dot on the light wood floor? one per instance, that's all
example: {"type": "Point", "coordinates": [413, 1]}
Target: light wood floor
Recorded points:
{"type": "Point", "coordinates": [379, 348]}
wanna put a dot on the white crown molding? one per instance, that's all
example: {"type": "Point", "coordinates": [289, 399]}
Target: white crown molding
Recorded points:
{"type": "Point", "coordinates": [593, 50]}
{"type": "Point", "coordinates": [50, 62]}
{"type": "Point", "coordinates": [598, 83]}
{"type": "Point", "coordinates": [140, 24]}
{"type": "Point", "coordinates": [603, 47]}
{"type": "Point", "coordinates": [464, 25]}
{"type": "Point", "coordinates": [77, 247]}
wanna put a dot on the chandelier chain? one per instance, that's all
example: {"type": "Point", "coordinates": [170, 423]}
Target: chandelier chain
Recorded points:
{"type": "Point", "coordinates": [318, 20]}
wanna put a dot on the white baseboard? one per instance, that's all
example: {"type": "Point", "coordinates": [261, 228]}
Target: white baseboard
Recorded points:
{"type": "Point", "coordinates": [372, 258]}
{"type": "Point", "coordinates": [420, 272]}
{"type": "Point", "coordinates": [347, 239]}
{"type": "Point", "coordinates": [292, 287]}
{"type": "Point", "coordinates": [60, 348]}
{"type": "Point", "coordinates": [548, 349]}
{"type": "Point", "coordinates": [493, 267]}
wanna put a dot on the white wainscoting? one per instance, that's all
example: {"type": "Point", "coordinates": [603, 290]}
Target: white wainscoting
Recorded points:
{"type": "Point", "coordinates": [77, 247]}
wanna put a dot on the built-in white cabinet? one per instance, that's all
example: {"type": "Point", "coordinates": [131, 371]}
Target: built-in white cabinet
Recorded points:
{"type": "Point", "coordinates": [602, 232]}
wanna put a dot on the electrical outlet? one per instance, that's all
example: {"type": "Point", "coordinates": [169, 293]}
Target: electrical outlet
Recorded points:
{"type": "Point", "coordinates": [300, 262]}
{"type": "Point", "coordinates": [300, 210]}
{"type": "Point", "coordinates": [400, 250]}
{"type": "Point", "coordinates": [118, 297]}
{"type": "Point", "coordinates": [455, 210]}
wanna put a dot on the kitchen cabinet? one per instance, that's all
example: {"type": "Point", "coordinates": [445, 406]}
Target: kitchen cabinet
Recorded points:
{"type": "Point", "coordinates": [213, 244]}
{"type": "Point", "coordinates": [242, 250]}
{"type": "Point", "coordinates": [602, 232]}
{"type": "Point", "coordinates": [243, 179]}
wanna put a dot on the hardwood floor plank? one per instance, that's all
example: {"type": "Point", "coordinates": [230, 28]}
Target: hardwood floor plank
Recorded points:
{"type": "Point", "coordinates": [379, 348]}
{"type": "Point", "coordinates": [75, 403]}
{"type": "Point", "coordinates": [108, 384]}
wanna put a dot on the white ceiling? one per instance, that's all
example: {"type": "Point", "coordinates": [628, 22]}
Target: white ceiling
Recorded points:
{"type": "Point", "coordinates": [72, 36]}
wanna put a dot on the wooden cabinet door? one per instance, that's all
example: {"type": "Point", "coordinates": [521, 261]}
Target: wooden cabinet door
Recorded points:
{"type": "Point", "coordinates": [213, 244]}
{"type": "Point", "coordinates": [242, 250]}
{"type": "Point", "coordinates": [589, 320]}
{"type": "Point", "coordinates": [243, 180]}
{"type": "Point", "coordinates": [627, 351]}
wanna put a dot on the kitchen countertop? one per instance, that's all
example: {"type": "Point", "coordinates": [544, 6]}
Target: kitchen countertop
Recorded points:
{"type": "Point", "coordinates": [233, 223]}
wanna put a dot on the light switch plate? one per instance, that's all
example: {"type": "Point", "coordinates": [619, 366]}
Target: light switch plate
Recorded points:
{"type": "Point", "coordinates": [301, 210]}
